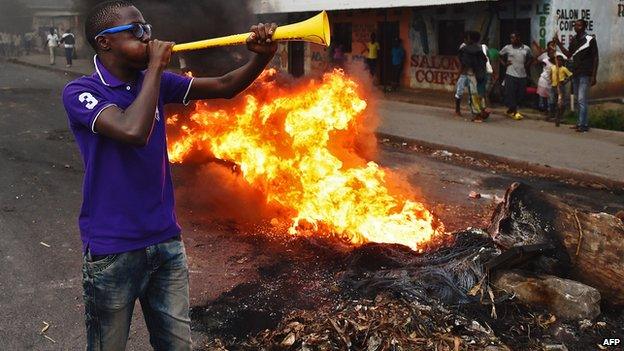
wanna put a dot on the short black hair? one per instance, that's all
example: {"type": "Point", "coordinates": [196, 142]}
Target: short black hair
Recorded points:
{"type": "Point", "coordinates": [474, 36]}
{"type": "Point", "coordinates": [582, 21]}
{"type": "Point", "coordinates": [102, 17]}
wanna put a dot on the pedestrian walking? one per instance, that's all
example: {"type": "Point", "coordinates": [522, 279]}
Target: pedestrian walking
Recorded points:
{"type": "Point", "coordinates": [131, 239]}
{"type": "Point", "coordinates": [473, 61]}
{"type": "Point", "coordinates": [68, 40]}
{"type": "Point", "coordinates": [52, 42]}
{"type": "Point", "coordinates": [462, 80]}
{"type": "Point", "coordinates": [372, 52]}
{"type": "Point", "coordinates": [517, 58]}
{"type": "Point", "coordinates": [583, 53]}
{"type": "Point", "coordinates": [398, 60]}
{"type": "Point", "coordinates": [489, 73]}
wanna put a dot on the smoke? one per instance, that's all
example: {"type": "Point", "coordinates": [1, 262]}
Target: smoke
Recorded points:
{"type": "Point", "coordinates": [216, 191]}
{"type": "Point", "coordinates": [183, 21]}
{"type": "Point", "coordinates": [15, 17]}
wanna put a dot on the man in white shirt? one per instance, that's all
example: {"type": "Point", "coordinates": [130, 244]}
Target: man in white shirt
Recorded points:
{"type": "Point", "coordinates": [52, 41]}
{"type": "Point", "coordinates": [517, 57]}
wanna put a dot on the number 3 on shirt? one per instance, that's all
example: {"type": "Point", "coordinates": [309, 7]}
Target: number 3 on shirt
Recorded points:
{"type": "Point", "coordinates": [89, 99]}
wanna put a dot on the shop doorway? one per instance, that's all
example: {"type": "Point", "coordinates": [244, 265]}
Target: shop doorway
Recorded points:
{"type": "Point", "coordinates": [295, 58]}
{"type": "Point", "coordinates": [523, 27]}
{"type": "Point", "coordinates": [386, 33]}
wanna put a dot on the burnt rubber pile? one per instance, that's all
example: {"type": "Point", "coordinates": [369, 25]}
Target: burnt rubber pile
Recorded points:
{"type": "Point", "coordinates": [542, 276]}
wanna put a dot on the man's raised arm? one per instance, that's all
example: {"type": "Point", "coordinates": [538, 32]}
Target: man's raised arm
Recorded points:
{"type": "Point", "coordinates": [232, 83]}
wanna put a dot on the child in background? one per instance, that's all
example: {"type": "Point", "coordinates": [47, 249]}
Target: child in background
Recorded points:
{"type": "Point", "coordinates": [545, 58]}
{"type": "Point", "coordinates": [559, 76]}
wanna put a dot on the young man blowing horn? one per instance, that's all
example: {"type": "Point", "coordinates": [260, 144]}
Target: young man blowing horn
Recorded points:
{"type": "Point", "coordinates": [131, 238]}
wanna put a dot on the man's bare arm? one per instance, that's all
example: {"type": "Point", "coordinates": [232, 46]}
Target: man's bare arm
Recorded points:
{"type": "Point", "coordinates": [232, 83]}
{"type": "Point", "coordinates": [134, 125]}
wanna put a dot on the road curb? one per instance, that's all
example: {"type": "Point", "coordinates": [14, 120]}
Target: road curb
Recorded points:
{"type": "Point", "coordinates": [46, 68]}
{"type": "Point", "coordinates": [501, 110]}
{"type": "Point", "coordinates": [541, 169]}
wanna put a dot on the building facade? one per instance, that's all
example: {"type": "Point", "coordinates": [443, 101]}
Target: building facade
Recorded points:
{"type": "Point", "coordinates": [431, 34]}
{"type": "Point", "coordinates": [58, 14]}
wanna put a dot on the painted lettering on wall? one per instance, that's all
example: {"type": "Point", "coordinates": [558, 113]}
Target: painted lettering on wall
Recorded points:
{"type": "Point", "coordinates": [542, 11]}
{"type": "Point", "coordinates": [620, 9]}
{"type": "Point", "coordinates": [280, 60]}
{"type": "Point", "coordinates": [441, 70]}
{"type": "Point", "coordinates": [566, 19]}
{"type": "Point", "coordinates": [319, 59]}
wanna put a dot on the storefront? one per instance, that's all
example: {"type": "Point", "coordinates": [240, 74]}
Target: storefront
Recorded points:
{"type": "Point", "coordinates": [431, 35]}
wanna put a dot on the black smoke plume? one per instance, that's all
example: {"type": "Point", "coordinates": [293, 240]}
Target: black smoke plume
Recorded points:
{"type": "Point", "coordinates": [183, 21]}
{"type": "Point", "coordinates": [15, 17]}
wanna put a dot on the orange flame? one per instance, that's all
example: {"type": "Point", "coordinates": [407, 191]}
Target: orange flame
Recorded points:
{"type": "Point", "coordinates": [282, 139]}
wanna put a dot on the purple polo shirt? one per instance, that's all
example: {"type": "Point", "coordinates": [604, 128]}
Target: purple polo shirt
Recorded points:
{"type": "Point", "coordinates": [128, 201]}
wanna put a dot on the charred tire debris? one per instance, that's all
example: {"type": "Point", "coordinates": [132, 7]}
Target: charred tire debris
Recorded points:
{"type": "Point", "coordinates": [321, 295]}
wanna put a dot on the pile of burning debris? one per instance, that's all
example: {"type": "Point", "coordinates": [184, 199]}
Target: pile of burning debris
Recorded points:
{"type": "Point", "coordinates": [535, 278]}
{"type": "Point", "coordinates": [507, 287]}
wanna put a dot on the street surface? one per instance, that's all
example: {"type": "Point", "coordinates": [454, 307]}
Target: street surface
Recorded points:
{"type": "Point", "coordinates": [40, 195]}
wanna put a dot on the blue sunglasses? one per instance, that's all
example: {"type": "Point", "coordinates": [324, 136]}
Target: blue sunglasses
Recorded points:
{"type": "Point", "coordinates": [138, 30]}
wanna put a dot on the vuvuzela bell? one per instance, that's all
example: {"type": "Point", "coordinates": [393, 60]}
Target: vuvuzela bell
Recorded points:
{"type": "Point", "coordinates": [314, 30]}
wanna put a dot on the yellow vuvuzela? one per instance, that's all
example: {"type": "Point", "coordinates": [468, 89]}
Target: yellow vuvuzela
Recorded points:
{"type": "Point", "coordinates": [314, 30]}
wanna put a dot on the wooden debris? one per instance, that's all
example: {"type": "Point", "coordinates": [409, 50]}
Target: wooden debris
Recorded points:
{"type": "Point", "coordinates": [528, 217]}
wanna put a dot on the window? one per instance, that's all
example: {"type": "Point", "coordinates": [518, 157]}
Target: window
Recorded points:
{"type": "Point", "coordinates": [450, 36]}
{"type": "Point", "coordinates": [342, 36]}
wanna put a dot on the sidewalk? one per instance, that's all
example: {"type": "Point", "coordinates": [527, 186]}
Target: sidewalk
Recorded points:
{"type": "Point", "coordinates": [446, 99]}
{"type": "Point", "coordinates": [531, 143]}
{"type": "Point", "coordinates": [599, 153]}
{"type": "Point", "coordinates": [79, 68]}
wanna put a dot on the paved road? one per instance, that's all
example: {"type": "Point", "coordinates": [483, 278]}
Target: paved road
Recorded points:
{"type": "Point", "coordinates": [40, 196]}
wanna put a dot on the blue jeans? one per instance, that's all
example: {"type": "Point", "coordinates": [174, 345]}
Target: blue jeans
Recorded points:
{"type": "Point", "coordinates": [581, 91]}
{"type": "Point", "coordinates": [69, 53]}
{"type": "Point", "coordinates": [158, 277]}
{"type": "Point", "coordinates": [462, 83]}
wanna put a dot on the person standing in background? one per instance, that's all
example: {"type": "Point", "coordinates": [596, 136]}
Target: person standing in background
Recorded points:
{"type": "Point", "coordinates": [4, 44]}
{"type": "Point", "coordinates": [473, 61]}
{"type": "Point", "coordinates": [28, 38]}
{"type": "Point", "coordinates": [52, 42]}
{"type": "Point", "coordinates": [17, 44]}
{"type": "Point", "coordinates": [583, 52]}
{"type": "Point", "coordinates": [462, 80]}
{"type": "Point", "coordinates": [68, 40]}
{"type": "Point", "coordinates": [559, 77]}
{"type": "Point", "coordinates": [398, 58]}
{"type": "Point", "coordinates": [545, 59]}
{"type": "Point", "coordinates": [516, 57]}
{"type": "Point", "coordinates": [372, 52]}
